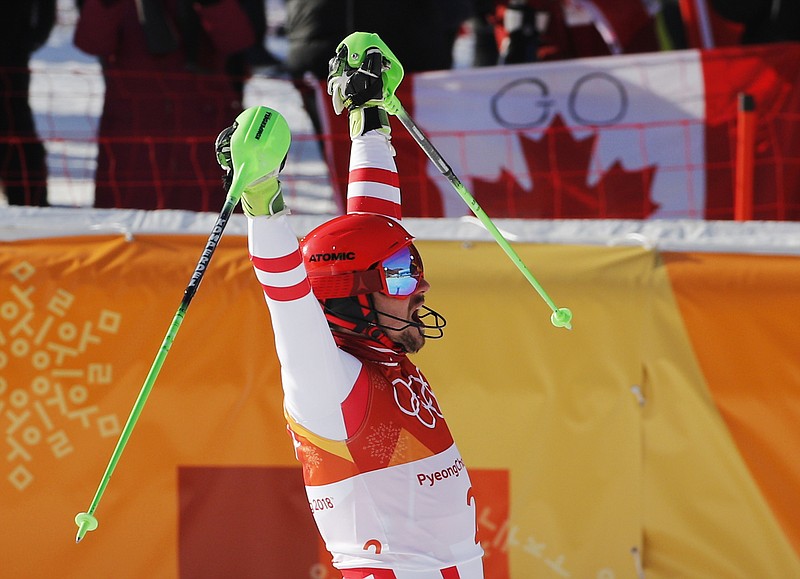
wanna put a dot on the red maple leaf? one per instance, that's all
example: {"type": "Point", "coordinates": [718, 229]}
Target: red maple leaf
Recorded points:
{"type": "Point", "coordinates": [558, 166]}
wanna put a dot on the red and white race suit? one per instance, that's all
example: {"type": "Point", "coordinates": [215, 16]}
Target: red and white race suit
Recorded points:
{"type": "Point", "coordinates": [385, 482]}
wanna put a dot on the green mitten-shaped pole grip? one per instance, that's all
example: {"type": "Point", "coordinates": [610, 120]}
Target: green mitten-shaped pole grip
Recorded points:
{"type": "Point", "coordinates": [258, 148]}
{"type": "Point", "coordinates": [357, 44]}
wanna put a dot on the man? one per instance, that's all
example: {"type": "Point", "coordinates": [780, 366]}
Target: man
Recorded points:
{"type": "Point", "coordinates": [173, 73]}
{"type": "Point", "coordinates": [385, 482]}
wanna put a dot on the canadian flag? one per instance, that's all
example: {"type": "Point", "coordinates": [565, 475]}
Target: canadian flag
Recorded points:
{"type": "Point", "coordinates": [629, 136]}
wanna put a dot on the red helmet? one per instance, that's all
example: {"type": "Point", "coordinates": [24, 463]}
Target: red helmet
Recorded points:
{"type": "Point", "coordinates": [355, 255]}
{"type": "Point", "coordinates": [343, 256]}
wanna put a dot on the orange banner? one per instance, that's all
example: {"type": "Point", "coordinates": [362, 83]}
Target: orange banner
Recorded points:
{"type": "Point", "coordinates": [657, 436]}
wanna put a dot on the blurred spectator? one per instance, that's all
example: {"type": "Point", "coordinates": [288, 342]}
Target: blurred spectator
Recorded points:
{"type": "Point", "coordinates": [763, 20]}
{"type": "Point", "coordinates": [173, 72]}
{"type": "Point", "coordinates": [24, 28]}
{"type": "Point", "coordinates": [533, 30]}
{"type": "Point", "coordinates": [521, 40]}
{"type": "Point", "coordinates": [484, 23]}
{"type": "Point", "coordinates": [674, 27]}
{"type": "Point", "coordinates": [258, 55]}
{"type": "Point", "coordinates": [420, 32]}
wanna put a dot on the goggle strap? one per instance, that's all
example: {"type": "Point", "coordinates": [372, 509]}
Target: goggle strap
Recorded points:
{"type": "Point", "coordinates": [344, 285]}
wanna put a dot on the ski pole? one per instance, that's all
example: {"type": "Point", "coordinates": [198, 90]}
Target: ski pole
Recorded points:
{"type": "Point", "coordinates": [86, 521]}
{"type": "Point", "coordinates": [250, 155]}
{"type": "Point", "coordinates": [561, 317]}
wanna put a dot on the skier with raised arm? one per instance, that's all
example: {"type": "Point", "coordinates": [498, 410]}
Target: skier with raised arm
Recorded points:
{"type": "Point", "coordinates": [385, 482]}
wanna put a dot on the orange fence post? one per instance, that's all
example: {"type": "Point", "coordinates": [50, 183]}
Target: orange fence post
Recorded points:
{"type": "Point", "coordinates": [745, 158]}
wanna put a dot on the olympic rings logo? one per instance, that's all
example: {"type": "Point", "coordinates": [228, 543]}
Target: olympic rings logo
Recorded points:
{"type": "Point", "coordinates": [418, 400]}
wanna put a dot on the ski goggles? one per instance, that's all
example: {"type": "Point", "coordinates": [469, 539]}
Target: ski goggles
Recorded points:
{"type": "Point", "coordinates": [402, 272]}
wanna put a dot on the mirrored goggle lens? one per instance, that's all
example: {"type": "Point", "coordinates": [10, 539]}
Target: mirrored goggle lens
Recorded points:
{"type": "Point", "coordinates": [402, 271]}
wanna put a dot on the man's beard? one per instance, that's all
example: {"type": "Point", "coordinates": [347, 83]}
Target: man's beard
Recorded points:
{"type": "Point", "coordinates": [410, 339]}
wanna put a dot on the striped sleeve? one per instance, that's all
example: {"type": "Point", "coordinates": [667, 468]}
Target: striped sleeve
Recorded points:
{"type": "Point", "coordinates": [278, 264]}
{"type": "Point", "coordinates": [313, 392]}
{"type": "Point", "coordinates": [373, 184]}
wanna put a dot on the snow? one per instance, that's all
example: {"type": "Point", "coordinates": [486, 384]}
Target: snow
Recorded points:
{"type": "Point", "coordinates": [67, 99]}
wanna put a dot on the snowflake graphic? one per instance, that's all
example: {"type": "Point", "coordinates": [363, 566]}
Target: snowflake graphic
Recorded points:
{"type": "Point", "coordinates": [311, 459]}
{"type": "Point", "coordinates": [383, 441]}
{"type": "Point", "coordinates": [377, 381]}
